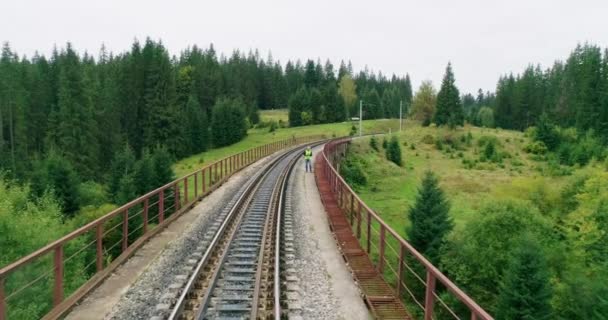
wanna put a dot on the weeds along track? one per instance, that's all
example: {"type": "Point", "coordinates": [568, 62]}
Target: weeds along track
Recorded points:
{"type": "Point", "coordinates": [235, 273]}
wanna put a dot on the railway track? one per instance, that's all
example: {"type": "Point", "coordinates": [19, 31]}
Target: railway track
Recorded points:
{"type": "Point", "coordinates": [236, 272]}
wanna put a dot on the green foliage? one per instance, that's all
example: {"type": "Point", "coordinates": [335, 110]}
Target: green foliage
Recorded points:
{"type": "Point", "coordinates": [486, 117]}
{"type": "Point", "coordinates": [480, 255]}
{"type": "Point", "coordinates": [55, 174]}
{"type": "Point", "coordinates": [430, 221]}
{"type": "Point", "coordinates": [92, 194]}
{"type": "Point", "coordinates": [25, 226]}
{"type": "Point", "coordinates": [298, 102]}
{"type": "Point", "coordinates": [122, 165]}
{"type": "Point", "coordinates": [145, 174]}
{"type": "Point", "coordinates": [228, 123]}
{"type": "Point", "coordinates": [525, 291]}
{"type": "Point", "coordinates": [449, 107]}
{"type": "Point", "coordinates": [384, 143]}
{"type": "Point", "coordinates": [197, 130]}
{"type": "Point", "coordinates": [373, 143]}
{"type": "Point", "coordinates": [353, 131]}
{"type": "Point", "coordinates": [393, 151]}
{"type": "Point", "coordinates": [536, 147]}
{"type": "Point", "coordinates": [424, 102]}
{"type": "Point", "coordinates": [163, 172]}
{"type": "Point", "coordinates": [547, 133]}
{"type": "Point", "coordinates": [353, 173]}
{"type": "Point", "coordinates": [306, 118]}
{"type": "Point", "coordinates": [273, 126]}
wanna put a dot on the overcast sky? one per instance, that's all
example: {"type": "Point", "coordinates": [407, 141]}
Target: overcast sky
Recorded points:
{"type": "Point", "coordinates": [482, 38]}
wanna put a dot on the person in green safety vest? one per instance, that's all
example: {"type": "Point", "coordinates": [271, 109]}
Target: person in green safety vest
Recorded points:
{"type": "Point", "coordinates": [307, 159]}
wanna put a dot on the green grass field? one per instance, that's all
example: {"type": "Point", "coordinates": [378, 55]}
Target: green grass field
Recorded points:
{"type": "Point", "coordinates": [274, 115]}
{"type": "Point", "coordinates": [256, 137]}
{"type": "Point", "coordinates": [391, 190]}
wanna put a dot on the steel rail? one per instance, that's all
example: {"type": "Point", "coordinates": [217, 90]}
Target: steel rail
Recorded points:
{"type": "Point", "coordinates": [252, 185]}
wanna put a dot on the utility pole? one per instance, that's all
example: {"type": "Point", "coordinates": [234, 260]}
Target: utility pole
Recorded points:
{"type": "Point", "coordinates": [360, 118]}
{"type": "Point", "coordinates": [400, 114]}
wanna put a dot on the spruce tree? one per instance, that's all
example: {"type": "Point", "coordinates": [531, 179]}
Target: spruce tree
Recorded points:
{"type": "Point", "coordinates": [145, 174]}
{"type": "Point", "coordinates": [393, 151]}
{"type": "Point", "coordinates": [122, 165]}
{"type": "Point", "coordinates": [449, 107]}
{"type": "Point", "coordinates": [163, 172]}
{"type": "Point", "coordinates": [525, 291]}
{"type": "Point", "coordinates": [429, 218]}
{"type": "Point", "coordinates": [57, 175]}
{"type": "Point", "coordinates": [228, 123]}
{"type": "Point", "coordinates": [298, 103]}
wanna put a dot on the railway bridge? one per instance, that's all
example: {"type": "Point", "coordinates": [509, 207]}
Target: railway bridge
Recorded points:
{"type": "Point", "coordinates": [241, 238]}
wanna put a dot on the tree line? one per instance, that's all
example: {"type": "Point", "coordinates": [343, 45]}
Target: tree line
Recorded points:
{"type": "Point", "coordinates": [81, 111]}
{"type": "Point", "coordinates": [322, 96]}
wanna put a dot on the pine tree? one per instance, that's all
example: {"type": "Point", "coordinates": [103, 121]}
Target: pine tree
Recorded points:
{"type": "Point", "coordinates": [163, 172]}
{"type": "Point", "coordinates": [525, 291]}
{"type": "Point", "coordinates": [197, 126]}
{"type": "Point", "coordinates": [449, 108]}
{"type": "Point", "coordinates": [57, 175]}
{"type": "Point", "coordinates": [393, 151]}
{"type": "Point", "coordinates": [228, 123]}
{"type": "Point", "coordinates": [122, 165]}
{"type": "Point", "coordinates": [127, 190]}
{"type": "Point", "coordinates": [372, 105]}
{"type": "Point", "coordinates": [145, 173]}
{"type": "Point", "coordinates": [545, 132]}
{"type": "Point", "coordinates": [430, 220]}
{"type": "Point", "coordinates": [298, 103]}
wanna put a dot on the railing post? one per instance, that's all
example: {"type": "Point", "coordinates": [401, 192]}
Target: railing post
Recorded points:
{"type": "Point", "coordinates": [222, 169]}
{"type": "Point", "coordinates": [186, 190]}
{"type": "Point", "coordinates": [212, 173]}
{"type": "Point", "coordinates": [2, 300]}
{"type": "Point", "coordinates": [58, 288]}
{"type": "Point", "coordinates": [382, 245]}
{"type": "Point", "coordinates": [352, 209]}
{"type": "Point", "coordinates": [203, 178]}
{"type": "Point", "coordinates": [358, 220]}
{"type": "Point", "coordinates": [176, 196]}
{"type": "Point", "coordinates": [125, 230]}
{"type": "Point", "coordinates": [230, 165]}
{"type": "Point", "coordinates": [369, 231]}
{"type": "Point", "coordinates": [429, 297]}
{"type": "Point", "coordinates": [145, 214]}
{"type": "Point", "coordinates": [195, 185]}
{"type": "Point", "coordinates": [400, 276]}
{"type": "Point", "coordinates": [99, 247]}
{"type": "Point", "coordinates": [161, 206]}
{"type": "Point", "coordinates": [473, 315]}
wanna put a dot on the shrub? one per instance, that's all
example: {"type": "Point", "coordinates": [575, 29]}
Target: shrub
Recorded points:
{"type": "Point", "coordinates": [373, 143]}
{"type": "Point", "coordinates": [306, 118]}
{"type": "Point", "coordinates": [413, 146]}
{"type": "Point", "coordinates": [273, 126]}
{"type": "Point", "coordinates": [428, 139]}
{"type": "Point", "coordinates": [353, 173]}
{"type": "Point", "coordinates": [536, 147]}
{"type": "Point", "coordinates": [384, 143]}
{"type": "Point", "coordinates": [439, 144]}
{"type": "Point", "coordinates": [353, 130]}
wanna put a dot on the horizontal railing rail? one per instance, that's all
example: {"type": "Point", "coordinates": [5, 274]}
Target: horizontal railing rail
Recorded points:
{"type": "Point", "coordinates": [39, 278]}
{"type": "Point", "coordinates": [393, 256]}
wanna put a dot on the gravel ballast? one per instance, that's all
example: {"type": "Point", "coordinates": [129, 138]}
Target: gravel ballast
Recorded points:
{"type": "Point", "coordinates": [327, 290]}
{"type": "Point", "coordinates": [141, 299]}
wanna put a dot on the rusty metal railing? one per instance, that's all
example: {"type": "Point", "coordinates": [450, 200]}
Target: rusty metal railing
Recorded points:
{"type": "Point", "coordinates": [412, 277]}
{"type": "Point", "coordinates": [113, 238]}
